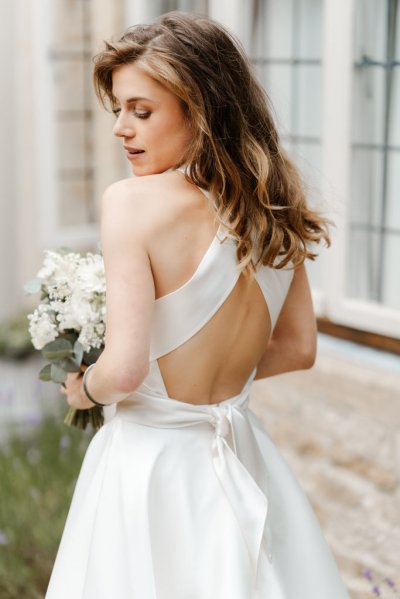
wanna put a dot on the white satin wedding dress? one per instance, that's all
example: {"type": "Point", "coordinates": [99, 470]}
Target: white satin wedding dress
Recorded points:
{"type": "Point", "coordinates": [183, 501]}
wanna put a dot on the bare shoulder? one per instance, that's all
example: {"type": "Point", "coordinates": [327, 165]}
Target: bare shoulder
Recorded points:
{"type": "Point", "coordinates": [149, 202]}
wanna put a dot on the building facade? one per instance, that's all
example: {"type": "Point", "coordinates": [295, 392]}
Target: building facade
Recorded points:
{"type": "Point", "coordinates": [332, 71]}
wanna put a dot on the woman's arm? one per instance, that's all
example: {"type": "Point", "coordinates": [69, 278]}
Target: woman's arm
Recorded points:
{"type": "Point", "coordinates": [123, 365]}
{"type": "Point", "coordinates": [293, 343]}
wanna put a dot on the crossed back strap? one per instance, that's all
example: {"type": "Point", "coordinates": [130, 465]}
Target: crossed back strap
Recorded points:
{"type": "Point", "coordinates": [183, 312]}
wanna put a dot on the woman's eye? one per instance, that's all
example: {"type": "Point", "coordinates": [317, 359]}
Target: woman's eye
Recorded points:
{"type": "Point", "coordinates": [139, 115]}
{"type": "Point", "coordinates": [142, 115]}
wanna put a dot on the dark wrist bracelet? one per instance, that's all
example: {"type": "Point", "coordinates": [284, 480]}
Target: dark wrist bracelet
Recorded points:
{"type": "Point", "coordinates": [85, 389]}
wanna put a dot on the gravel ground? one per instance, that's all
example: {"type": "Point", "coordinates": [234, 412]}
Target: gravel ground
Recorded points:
{"type": "Point", "coordinates": [338, 427]}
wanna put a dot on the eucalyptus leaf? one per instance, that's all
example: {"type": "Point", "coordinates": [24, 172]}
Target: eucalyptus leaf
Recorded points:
{"type": "Point", "coordinates": [69, 365]}
{"type": "Point", "coordinates": [33, 286]}
{"type": "Point", "coordinates": [58, 349]}
{"type": "Point", "coordinates": [78, 352]}
{"type": "Point", "coordinates": [58, 375]}
{"type": "Point", "coordinates": [45, 373]}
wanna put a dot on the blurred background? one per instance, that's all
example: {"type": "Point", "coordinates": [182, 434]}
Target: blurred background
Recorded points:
{"type": "Point", "coordinates": [332, 71]}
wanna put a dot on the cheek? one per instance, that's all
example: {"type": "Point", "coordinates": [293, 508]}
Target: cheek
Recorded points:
{"type": "Point", "coordinates": [181, 131]}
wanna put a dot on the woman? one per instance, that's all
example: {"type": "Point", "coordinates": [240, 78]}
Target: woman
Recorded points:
{"type": "Point", "coordinates": [182, 494]}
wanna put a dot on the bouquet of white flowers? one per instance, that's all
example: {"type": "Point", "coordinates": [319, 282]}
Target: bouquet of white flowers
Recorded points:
{"type": "Point", "coordinates": [68, 325]}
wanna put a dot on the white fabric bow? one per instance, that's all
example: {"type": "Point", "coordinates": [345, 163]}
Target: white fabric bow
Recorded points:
{"type": "Point", "coordinates": [236, 456]}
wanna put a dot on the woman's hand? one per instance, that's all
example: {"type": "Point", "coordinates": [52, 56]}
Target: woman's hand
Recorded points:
{"type": "Point", "coordinates": [73, 389]}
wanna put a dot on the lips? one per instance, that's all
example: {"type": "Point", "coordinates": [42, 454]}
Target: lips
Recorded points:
{"type": "Point", "coordinates": [133, 150]}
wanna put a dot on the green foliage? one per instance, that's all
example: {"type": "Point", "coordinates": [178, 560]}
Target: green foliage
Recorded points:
{"type": "Point", "coordinates": [66, 354]}
{"type": "Point", "coordinates": [15, 341]}
{"type": "Point", "coordinates": [38, 475]}
{"type": "Point", "coordinates": [58, 350]}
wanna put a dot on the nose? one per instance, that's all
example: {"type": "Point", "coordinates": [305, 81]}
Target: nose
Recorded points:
{"type": "Point", "coordinates": [122, 127]}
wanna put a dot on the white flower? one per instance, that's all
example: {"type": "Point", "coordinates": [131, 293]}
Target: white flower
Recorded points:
{"type": "Point", "coordinates": [42, 327]}
{"type": "Point", "coordinates": [92, 335]}
{"type": "Point", "coordinates": [58, 273]}
{"type": "Point", "coordinates": [75, 290]}
{"type": "Point", "coordinates": [90, 274]}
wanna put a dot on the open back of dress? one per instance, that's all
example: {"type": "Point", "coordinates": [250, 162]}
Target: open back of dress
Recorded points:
{"type": "Point", "coordinates": [183, 501]}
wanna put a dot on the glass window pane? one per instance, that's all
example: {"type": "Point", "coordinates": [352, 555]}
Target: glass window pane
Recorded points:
{"type": "Point", "coordinates": [397, 50]}
{"type": "Point", "coordinates": [310, 29]}
{"type": "Point", "coordinates": [277, 82]}
{"type": "Point", "coordinates": [272, 36]}
{"type": "Point", "coordinates": [393, 193]}
{"type": "Point", "coordinates": [67, 26]}
{"type": "Point", "coordinates": [69, 78]}
{"type": "Point", "coordinates": [394, 129]}
{"type": "Point", "coordinates": [197, 6]}
{"type": "Point", "coordinates": [368, 105]}
{"type": "Point", "coordinates": [308, 157]}
{"type": "Point", "coordinates": [364, 264]}
{"type": "Point", "coordinates": [158, 7]}
{"type": "Point", "coordinates": [370, 29]}
{"type": "Point", "coordinates": [71, 146]}
{"type": "Point", "coordinates": [70, 67]}
{"type": "Point", "coordinates": [374, 224]}
{"type": "Point", "coordinates": [307, 120]}
{"type": "Point", "coordinates": [391, 276]}
{"type": "Point", "coordinates": [366, 189]}
{"type": "Point", "coordinates": [74, 205]}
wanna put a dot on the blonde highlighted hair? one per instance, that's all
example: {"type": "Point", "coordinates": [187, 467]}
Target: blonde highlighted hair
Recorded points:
{"type": "Point", "coordinates": [235, 151]}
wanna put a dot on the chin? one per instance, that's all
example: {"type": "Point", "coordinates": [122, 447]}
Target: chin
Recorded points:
{"type": "Point", "coordinates": [141, 170]}
{"type": "Point", "coordinates": [138, 171]}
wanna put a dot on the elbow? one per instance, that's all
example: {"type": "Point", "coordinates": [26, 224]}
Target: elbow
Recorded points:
{"type": "Point", "coordinates": [307, 355]}
{"type": "Point", "coordinates": [308, 361]}
{"type": "Point", "coordinates": [126, 380]}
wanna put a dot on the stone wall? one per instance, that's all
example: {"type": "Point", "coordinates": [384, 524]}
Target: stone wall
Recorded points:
{"type": "Point", "coordinates": [337, 425]}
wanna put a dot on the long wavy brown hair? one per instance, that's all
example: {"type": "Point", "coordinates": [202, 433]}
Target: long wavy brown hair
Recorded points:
{"type": "Point", "coordinates": [235, 151]}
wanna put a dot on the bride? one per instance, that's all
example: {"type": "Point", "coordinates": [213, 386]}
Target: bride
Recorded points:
{"type": "Point", "coordinates": [182, 493]}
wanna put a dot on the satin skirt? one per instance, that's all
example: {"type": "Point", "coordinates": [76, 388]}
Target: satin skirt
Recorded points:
{"type": "Point", "coordinates": [176, 501]}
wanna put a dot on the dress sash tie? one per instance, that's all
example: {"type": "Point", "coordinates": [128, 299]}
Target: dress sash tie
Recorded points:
{"type": "Point", "coordinates": [235, 453]}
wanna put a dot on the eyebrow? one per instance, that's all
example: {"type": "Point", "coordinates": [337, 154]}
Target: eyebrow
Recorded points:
{"type": "Point", "coordinates": [136, 99]}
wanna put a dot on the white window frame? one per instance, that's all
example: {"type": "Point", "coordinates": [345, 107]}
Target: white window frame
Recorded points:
{"type": "Point", "coordinates": [338, 60]}
{"type": "Point", "coordinates": [51, 233]}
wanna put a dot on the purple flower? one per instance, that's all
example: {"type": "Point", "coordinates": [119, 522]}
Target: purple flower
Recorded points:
{"type": "Point", "coordinates": [368, 574]}
{"type": "Point", "coordinates": [390, 582]}
{"type": "Point", "coordinates": [376, 590]}
{"type": "Point", "coordinates": [3, 538]}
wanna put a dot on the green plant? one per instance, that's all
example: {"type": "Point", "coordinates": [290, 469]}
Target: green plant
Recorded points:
{"type": "Point", "coordinates": [15, 340]}
{"type": "Point", "coordinates": [38, 473]}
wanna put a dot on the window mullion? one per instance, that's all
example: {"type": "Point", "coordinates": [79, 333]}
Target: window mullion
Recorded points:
{"type": "Point", "coordinates": [336, 144]}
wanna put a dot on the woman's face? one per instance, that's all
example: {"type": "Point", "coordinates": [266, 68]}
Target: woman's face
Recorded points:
{"type": "Point", "coordinates": [150, 121]}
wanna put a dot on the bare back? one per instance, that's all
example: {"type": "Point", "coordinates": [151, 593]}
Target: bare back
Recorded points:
{"type": "Point", "coordinates": [214, 363]}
